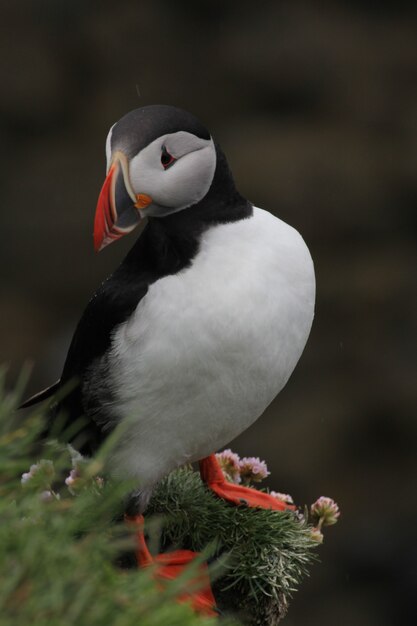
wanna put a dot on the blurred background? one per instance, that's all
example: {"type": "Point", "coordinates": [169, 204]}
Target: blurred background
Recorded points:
{"type": "Point", "coordinates": [315, 105]}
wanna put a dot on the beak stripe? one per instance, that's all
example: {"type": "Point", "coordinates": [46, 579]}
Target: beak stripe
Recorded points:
{"type": "Point", "coordinates": [117, 208]}
{"type": "Point", "coordinates": [103, 219]}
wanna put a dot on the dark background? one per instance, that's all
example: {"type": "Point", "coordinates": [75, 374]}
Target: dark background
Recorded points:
{"type": "Point", "coordinates": [315, 105]}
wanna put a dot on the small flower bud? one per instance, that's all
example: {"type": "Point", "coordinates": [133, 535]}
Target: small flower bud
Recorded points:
{"type": "Point", "coordinates": [229, 462]}
{"type": "Point", "coordinates": [325, 511]}
{"type": "Point", "coordinates": [26, 477]}
{"type": "Point", "coordinates": [252, 469]}
{"type": "Point", "coordinates": [72, 480]}
{"type": "Point", "coordinates": [284, 497]}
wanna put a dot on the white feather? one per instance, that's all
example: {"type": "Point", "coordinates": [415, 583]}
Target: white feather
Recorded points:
{"type": "Point", "coordinates": [183, 184]}
{"type": "Point", "coordinates": [208, 349]}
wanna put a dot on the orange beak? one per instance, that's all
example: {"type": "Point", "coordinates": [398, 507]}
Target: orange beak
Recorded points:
{"type": "Point", "coordinates": [117, 211]}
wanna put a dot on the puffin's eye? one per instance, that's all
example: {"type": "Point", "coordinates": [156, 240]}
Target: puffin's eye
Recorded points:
{"type": "Point", "coordinates": [166, 158]}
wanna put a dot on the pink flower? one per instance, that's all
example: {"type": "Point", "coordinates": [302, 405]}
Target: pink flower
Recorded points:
{"type": "Point", "coordinates": [325, 511]}
{"type": "Point", "coordinates": [229, 462]}
{"type": "Point", "coordinates": [72, 479]}
{"type": "Point", "coordinates": [284, 497]}
{"type": "Point", "coordinates": [252, 469]}
{"type": "Point", "coordinates": [31, 473]}
{"type": "Point", "coordinates": [26, 477]}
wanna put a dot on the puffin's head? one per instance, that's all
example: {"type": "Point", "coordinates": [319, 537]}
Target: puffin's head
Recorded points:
{"type": "Point", "coordinates": [160, 160]}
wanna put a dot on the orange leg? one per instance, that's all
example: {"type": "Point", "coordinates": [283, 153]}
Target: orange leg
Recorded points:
{"type": "Point", "coordinates": [170, 565]}
{"type": "Point", "coordinates": [212, 475]}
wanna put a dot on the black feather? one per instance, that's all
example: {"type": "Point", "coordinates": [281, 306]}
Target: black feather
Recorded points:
{"type": "Point", "coordinates": [46, 393]}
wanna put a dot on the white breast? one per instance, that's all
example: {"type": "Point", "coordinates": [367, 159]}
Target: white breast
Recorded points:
{"type": "Point", "coordinates": [208, 349]}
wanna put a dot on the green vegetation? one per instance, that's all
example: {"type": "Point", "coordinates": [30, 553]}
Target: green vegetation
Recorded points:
{"type": "Point", "coordinates": [268, 552]}
{"type": "Point", "coordinates": [60, 544]}
{"type": "Point", "coordinates": [58, 554]}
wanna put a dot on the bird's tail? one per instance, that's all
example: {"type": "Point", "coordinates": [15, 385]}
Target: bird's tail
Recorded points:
{"type": "Point", "coordinates": [46, 393]}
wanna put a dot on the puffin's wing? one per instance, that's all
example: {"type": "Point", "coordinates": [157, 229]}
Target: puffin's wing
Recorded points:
{"type": "Point", "coordinates": [41, 395]}
{"type": "Point", "coordinates": [111, 305]}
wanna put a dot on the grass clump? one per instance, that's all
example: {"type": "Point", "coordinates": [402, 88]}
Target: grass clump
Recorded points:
{"type": "Point", "coordinates": [59, 553]}
{"type": "Point", "coordinates": [268, 552]}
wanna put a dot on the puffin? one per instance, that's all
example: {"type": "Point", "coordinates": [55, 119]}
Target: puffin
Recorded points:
{"type": "Point", "coordinates": [189, 340]}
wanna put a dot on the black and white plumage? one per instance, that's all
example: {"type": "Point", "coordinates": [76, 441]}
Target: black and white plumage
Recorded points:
{"type": "Point", "coordinates": [200, 327]}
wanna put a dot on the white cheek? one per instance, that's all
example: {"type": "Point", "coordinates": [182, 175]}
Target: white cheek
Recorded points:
{"type": "Point", "coordinates": [188, 180]}
{"type": "Point", "coordinates": [184, 183]}
{"type": "Point", "coordinates": [145, 169]}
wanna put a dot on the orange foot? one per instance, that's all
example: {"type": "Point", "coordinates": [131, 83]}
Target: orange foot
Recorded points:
{"type": "Point", "coordinates": [171, 565]}
{"type": "Point", "coordinates": [212, 475]}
